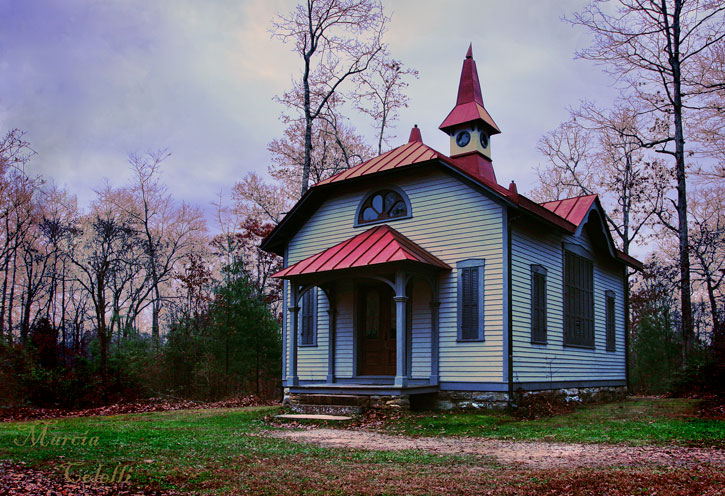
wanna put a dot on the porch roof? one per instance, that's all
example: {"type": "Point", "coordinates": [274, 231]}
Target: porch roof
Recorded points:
{"type": "Point", "coordinates": [380, 245]}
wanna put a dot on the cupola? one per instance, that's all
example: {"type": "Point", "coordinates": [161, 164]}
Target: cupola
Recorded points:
{"type": "Point", "coordinates": [469, 125]}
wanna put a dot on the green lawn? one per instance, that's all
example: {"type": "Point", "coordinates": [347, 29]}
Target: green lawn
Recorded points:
{"type": "Point", "coordinates": [224, 451]}
{"type": "Point", "coordinates": [634, 422]}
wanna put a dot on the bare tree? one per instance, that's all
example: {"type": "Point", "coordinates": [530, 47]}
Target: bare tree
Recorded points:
{"type": "Point", "coordinates": [594, 153]}
{"type": "Point", "coordinates": [168, 231]}
{"type": "Point", "coordinates": [707, 240]}
{"type": "Point", "coordinates": [98, 255]}
{"type": "Point", "coordinates": [653, 46]}
{"type": "Point", "coordinates": [336, 39]}
{"type": "Point", "coordinates": [382, 93]}
{"type": "Point", "coordinates": [335, 147]}
{"type": "Point", "coordinates": [255, 198]}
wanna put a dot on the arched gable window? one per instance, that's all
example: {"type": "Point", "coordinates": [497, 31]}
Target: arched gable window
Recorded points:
{"type": "Point", "coordinates": [382, 205]}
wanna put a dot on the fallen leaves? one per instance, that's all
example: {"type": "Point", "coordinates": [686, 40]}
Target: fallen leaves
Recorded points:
{"type": "Point", "coordinates": [142, 406]}
{"type": "Point", "coordinates": [16, 479]}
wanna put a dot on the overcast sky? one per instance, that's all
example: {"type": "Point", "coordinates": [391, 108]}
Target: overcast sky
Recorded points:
{"type": "Point", "coordinates": [92, 81]}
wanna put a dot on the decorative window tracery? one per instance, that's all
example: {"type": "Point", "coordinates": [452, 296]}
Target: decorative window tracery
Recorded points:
{"type": "Point", "coordinates": [382, 205]}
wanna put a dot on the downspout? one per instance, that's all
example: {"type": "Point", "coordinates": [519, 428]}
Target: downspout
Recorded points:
{"type": "Point", "coordinates": [510, 344]}
{"type": "Point", "coordinates": [626, 328]}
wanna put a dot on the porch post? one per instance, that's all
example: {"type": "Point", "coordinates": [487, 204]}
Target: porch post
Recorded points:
{"type": "Point", "coordinates": [434, 324]}
{"type": "Point", "coordinates": [292, 379]}
{"type": "Point", "coordinates": [331, 311]}
{"type": "Point", "coordinates": [401, 374]}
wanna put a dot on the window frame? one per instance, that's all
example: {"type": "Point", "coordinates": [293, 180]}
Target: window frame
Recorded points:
{"type": "Point", "coordinates": [461, 267]}
{"type": "Point", "coordinates": [610, 320]}
{"type": "Point", "coordinates": [313, 295]}
{"type": "Point", "coordinates": [372, 193]}
{"type": "Point", "coordinates": [539, 271]}
{"type": "Point", "coordinates": [582, 255]}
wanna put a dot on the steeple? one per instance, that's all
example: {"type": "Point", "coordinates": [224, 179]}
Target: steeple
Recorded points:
{"type": "Point", "coordinates": [469, 124]}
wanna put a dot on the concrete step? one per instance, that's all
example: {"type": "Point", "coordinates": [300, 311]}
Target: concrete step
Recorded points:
{"type": "Point", "coordinates": [302, 416]}
{"type": "Point", "coordinates": [342, 410]}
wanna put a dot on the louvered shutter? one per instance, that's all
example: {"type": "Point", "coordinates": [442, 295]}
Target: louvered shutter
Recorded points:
{"type": "Point", "coordinates": [578, 301]}
{"type": "Point", "coordinates": [611, 343]}
{"type": "Point", "coordinates": [469, 303]}
{"type": "Point", "coordinates": [308, 318]}
{"type": "Point", "coordinates": [538, 304]}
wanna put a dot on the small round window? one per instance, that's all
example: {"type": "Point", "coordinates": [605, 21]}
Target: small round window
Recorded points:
{"type": "Point", "coordinates": [382, 205]}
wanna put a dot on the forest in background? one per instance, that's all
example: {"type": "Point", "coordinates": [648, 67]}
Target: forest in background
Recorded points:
{"type": "Point", "coordinates": [134, 297]}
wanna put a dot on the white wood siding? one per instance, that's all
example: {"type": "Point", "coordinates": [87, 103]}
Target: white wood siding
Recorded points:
{"type": "Point", "coordinates": [453, 222]}
{"type": "Point", "coordinates": [554, 361]}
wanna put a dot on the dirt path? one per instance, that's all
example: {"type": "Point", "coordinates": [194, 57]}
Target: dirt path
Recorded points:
{"type": "Point", "coordinates": [539, 455]}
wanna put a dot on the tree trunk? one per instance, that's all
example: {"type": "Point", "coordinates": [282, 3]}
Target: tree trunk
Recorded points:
{"type": "Point", "coordinates": [684, 246]}
{"type": "Point", "coordinates": [155, 309]}
{"type": "Point", "coordinates": [713, 304]}
{"type": "Point", "coordinates": [6, 273]}
{"type": "Point", "coordinates": [12, 293]}
{"type": "Point", "coordinates": [308, 115]}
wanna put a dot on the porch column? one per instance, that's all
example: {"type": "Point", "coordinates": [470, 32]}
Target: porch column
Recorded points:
{"type": "Point", "coordinates": [294, 310]}
{"type": "Point", "coordinates": [434, 320]}
{"type": "Point", "coordinates": [401, 374]}
{"type": "Point", "coordinates": [331, 312]}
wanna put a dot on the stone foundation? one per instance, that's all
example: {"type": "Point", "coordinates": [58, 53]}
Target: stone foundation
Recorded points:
{"type": "Point", "coordinates": [577, 395]}
{"type": "Point", "coordinates": [329, 402]}
{"type": "Point", "coordinates": [471, 400]}
{"type": "Point", "coordinates": [449, 400]}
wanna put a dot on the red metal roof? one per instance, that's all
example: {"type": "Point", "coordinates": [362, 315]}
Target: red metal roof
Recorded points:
{"type": "Point", "coordinates": [411, 153]}
{"type": "Point", "coordinates": [469, 104]}
{"type": "Point", "coordinates": [379, 245]}
{"type": "Point", "coordinates": [572, 209]}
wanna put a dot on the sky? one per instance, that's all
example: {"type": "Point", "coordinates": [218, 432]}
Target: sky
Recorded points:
{"type": "Point", "coordinates": [93, 81]}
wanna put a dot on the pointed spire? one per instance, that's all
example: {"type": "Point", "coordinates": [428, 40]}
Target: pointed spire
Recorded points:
{"type": "Point", "coordinates": [415, 135]}
{"type": "Point", "coordinates": [469, 104]}
{"type": "Point", "coordinates": [469, 89]}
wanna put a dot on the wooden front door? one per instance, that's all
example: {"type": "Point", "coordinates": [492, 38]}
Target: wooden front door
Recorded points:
{"type": "Point", "coordinates": [376, 330]}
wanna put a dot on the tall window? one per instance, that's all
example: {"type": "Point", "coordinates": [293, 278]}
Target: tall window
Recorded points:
{"type": "Point", "coordinates": [470, 300]}
{"type": "Point", "coordinates": [611, 328]}
{"type": "Point", "coordinates": [578, 301]}
{"type": "Point", "coordinates": [383, 205]}
{"type": "Point", "coordinates": [538, 304]}
{"type": "Point", "coordinates": [307, 316]}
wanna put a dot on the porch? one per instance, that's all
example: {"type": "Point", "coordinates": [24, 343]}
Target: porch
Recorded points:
{"type": "Point", "coordinates": [376, 321]}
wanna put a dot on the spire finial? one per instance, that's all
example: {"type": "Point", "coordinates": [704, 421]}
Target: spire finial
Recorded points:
{"type": "Point", "coordinates": [415, 135]}
{"type": "Point", "coordinates": [469, 53]}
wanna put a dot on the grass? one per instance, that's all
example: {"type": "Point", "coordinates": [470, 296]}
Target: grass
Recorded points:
{"type": "Point", "coordinates": [168, 449]}
{"type": "Point", "coordinates": [224, 451]}
{"type": "Point", "coordinates": [632, 422]}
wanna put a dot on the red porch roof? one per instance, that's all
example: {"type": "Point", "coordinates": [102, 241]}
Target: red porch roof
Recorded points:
{"type": "Point", "coordinates": [379, 245]}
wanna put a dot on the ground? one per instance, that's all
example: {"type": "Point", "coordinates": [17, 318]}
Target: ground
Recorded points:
{"type": "Point", "coordinates": [524, 454]}
{"type": "Point", "coordinates": [642, 446]}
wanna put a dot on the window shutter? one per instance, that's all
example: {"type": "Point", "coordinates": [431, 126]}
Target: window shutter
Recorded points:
{"type": "Point", "coordinates": [469, 297]}
{"type": "Point", "coordinates": [611, 329]}
{"type": "Point", "coordinates": [578, 300]}
{"type": "Point", "coordinates": [538, 304]}
{"type": "Point", "coordinates": [308, 318]}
